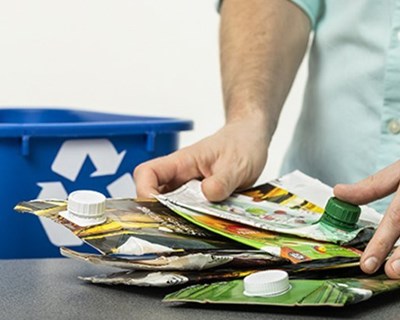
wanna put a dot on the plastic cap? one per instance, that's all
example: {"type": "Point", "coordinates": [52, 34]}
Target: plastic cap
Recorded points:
{"type": "Point", "coordinates": [341, 215]}
{"type": "Point", "coordinates": [85, 208]}
{"type": "Point", "coordinates": [266, 283]}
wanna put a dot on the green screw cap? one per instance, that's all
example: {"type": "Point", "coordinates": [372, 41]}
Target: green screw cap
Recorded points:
{"type": "Point", "coordinates": [340, 214]}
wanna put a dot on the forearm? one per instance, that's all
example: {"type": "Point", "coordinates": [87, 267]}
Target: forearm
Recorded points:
{"type": "Point", "coordinates": [262, 44]}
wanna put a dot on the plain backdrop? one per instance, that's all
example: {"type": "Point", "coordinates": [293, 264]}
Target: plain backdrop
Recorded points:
{"type": "Point", "coordinates": [144, 57]}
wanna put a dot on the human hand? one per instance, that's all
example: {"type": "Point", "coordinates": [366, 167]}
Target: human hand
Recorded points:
{"type": "Point", "coordinates": [231, 158]}
{"type": "Point", "coordinates": [374, 187]}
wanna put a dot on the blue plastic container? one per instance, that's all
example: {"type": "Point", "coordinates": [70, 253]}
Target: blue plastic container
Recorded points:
{"type": "Point", "coordinates": [48, 153]}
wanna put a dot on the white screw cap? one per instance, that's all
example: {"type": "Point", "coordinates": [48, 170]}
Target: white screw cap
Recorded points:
{"type": "Point", "coordinates": [266, 283]}
{"type": "Point", "coordinates": [85, 208]}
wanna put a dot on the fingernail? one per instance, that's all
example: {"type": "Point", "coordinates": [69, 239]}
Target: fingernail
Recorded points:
{"type": "Point", "coordinates": [371, 264]}
{"type": "Point", "coordinates": [396, 266]}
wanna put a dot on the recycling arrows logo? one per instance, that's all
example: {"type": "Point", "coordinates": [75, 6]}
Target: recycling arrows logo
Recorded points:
{"type": "Point", "coordinates": [73, 153]}
{"type": "Point", "coordinates": [68, 164]}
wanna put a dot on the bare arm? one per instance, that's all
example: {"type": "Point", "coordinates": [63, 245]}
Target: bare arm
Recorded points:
{"type": "Point", "coordinates": [262, 44]}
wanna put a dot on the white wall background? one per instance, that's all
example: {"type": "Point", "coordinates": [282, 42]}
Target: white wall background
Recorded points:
{"type": "Point", "coordinates": [143, 57]}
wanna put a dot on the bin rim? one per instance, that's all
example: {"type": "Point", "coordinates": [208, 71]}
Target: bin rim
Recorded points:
{"type": "Point", "coordinates": [122, 125]}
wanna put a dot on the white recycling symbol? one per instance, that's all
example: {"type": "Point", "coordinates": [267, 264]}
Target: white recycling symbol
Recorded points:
{"type": "Point", "coordinates": [68, 163]}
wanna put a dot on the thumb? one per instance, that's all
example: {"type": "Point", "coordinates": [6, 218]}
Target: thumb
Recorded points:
{"type": "Point", "coordinates": [219, 186]}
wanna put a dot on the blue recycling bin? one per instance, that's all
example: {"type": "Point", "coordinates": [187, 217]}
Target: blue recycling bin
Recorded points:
{"type": "Point", "coordinates": [48, 153]}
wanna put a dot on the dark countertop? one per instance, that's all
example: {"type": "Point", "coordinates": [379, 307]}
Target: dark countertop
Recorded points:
{"type": "Point", "coordinates": [50, 289]}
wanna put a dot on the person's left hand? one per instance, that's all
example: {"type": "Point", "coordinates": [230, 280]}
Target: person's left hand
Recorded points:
{"type": "Point", "coordinates": [374, 187]}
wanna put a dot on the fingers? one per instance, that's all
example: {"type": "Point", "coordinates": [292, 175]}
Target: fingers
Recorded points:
{"type": "Point", "coordinates": [233, 169]}
{"type": "Point", "coordinates": [150, 176]}
{"type": "Point", "coordinates": [146, 181]}
{"type": "Point", "coordinates": [164, 174]}
{"type": "Point", "coordinates": [382, 243]}
{"type": "Point", "coordinates": [392, 266]}
{"type": "Point", "coordinates": [219, 186]}
{"type": "Point", "coordinates": [167, 173]}
{"type": "Point", "coordinates": [374, 187]}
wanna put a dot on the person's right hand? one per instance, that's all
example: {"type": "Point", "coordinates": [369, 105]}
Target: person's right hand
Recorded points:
{"type": "Point", "coordinates": [230, 159]}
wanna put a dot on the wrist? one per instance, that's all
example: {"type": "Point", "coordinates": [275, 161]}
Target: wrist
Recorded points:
{"type": "Point", "coordinates": [258, 119]}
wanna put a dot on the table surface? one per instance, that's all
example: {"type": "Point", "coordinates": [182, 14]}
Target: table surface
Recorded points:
{"type": "Point", "coordinates": [50, 289]}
